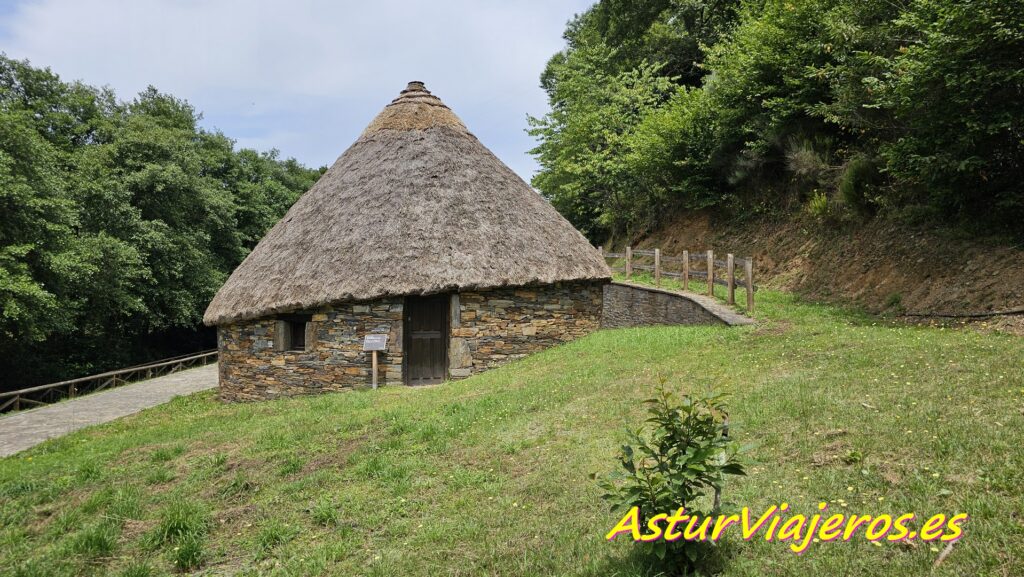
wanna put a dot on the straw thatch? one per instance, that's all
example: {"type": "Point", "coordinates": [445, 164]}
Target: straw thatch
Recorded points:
{"type": "Point", "coordinates": [416, 206]}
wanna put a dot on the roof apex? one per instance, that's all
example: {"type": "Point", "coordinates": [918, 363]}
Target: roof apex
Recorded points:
{"type": "Point", "coordinates": [415, 108]}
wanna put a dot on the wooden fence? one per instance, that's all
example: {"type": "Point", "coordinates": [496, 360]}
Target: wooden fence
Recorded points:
{"type": "Point", "coordinates": [53, 392]}
{"type": "Point", "coordinates": [696, 265]}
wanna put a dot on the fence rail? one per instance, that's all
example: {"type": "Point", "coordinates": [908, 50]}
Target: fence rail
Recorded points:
{"type": "Point", "coordinates": [53, 392]}
{"type": "Point", "coordinates": [706, 266]}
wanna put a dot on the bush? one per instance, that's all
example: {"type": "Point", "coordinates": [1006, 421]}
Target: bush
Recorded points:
{"type": "Point", "coordinates": [680, 460]}
{"type": "Point", "coordinates": [860, 176]}
{"type": "Point", "coordinates": [819, 207]}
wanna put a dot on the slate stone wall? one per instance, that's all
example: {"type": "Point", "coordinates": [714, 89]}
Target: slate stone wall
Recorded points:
{"type": "Point", "coordinates": [250, 368]}
{"type": "Point", "coordinates": [488, 328]}
{"type": "Point", "coordinates": [492, 327]}
{"type": "Point", "coordinates": [632, 306]}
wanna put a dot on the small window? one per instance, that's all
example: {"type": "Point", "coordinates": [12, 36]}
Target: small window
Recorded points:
{"type": "Point", "coordinates": [297, 335]}
{"type": "Point", "coordinates": [291, 332]}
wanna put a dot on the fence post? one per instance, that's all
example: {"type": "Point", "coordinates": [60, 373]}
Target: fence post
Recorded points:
{"type": "Point", "coordinates": [600, 250]}
{"type": "Point", "coordinates": [748, 273]}
{"type": "Point", "coordinates": [711, 273]}
{"type": "Point", "coordinates": [730, 268]}
{"type": "Point", "coordinates": [629, 262]}
{"type": "Point", "coordinates": [657, 267]}
{"type": "Point", "coordinates": [686, 270]}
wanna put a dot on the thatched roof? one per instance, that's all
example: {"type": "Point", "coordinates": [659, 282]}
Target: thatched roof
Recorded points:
{"type": "Point", "coordinates": [416, 206]}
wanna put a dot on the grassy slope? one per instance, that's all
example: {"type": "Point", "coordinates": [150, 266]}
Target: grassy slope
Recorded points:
{"type": "Point", "coordinates": [491, 475]}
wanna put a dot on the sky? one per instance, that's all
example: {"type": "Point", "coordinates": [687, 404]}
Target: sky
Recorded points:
{"type": "Point", "coordinates": [306, 76]}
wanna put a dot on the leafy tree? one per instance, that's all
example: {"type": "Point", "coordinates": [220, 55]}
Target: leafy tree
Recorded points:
{"type": "Point", "coordinates": [862, 106]}
{"type": "Point", "coordinates": [118, 222]}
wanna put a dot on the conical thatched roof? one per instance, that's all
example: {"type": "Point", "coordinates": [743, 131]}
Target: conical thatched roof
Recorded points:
{"type": "Point", "coordinates": [416, 206]}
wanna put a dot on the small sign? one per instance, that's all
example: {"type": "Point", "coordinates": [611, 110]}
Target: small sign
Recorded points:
{"type": "Point", "coordinates": [375, 342]}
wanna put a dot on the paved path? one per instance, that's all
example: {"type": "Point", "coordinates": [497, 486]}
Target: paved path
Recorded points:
{"type": "Point", "coordinates": [25, 429]}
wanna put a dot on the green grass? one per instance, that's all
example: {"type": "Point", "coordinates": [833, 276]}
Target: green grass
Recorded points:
{"type": "Point", "coordinates": [491, 475]}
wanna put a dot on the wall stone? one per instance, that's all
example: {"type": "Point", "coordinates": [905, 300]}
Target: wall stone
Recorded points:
{"type": "Point", "coordinates": [488, 328]}
{"type": "Point", "coordinates": [633, 306]}
{"type": "Point", "coordinates": [493, 327]}
{"type": "Point", "coordinates": [250, 368]}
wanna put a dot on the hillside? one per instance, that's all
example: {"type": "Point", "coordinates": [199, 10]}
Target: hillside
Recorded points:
{"type": "Point", "coordinates": [491, 475]}
{"type": "Point", "coordinates": [881, 266]}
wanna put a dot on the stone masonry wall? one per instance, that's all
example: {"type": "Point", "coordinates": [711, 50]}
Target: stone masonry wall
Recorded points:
{"type": "Point", "coordinates": [632, 306]}
{"type": "Point", "coordinates": [250, 368]}
{"type": "Point", "coordinates": [492, 327]}
{"type": "Point", "coordinates": [488, 328]}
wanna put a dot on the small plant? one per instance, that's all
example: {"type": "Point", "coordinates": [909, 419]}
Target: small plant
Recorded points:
{"type": "Point", "coordinates": [138, 569]}
{"type": "Point", "coordinates": [125, 504]}
{"type": "Point", "coordinates": [818, 206]}
{"type": "Point", "coordinates": [325, 513]}
{"type": "Point", "coordinates": [159, 476]}
{"type": "Point", "coordinates": [894, 301]}
{"type": "Point", "coordinates": [88, 471]}
{"type": "Point", "coordinates": [180, 519]}
{"type": "Point", "coordinates": [853, 457]}
{"type": "Point", "coordinates": [237, 486]}
{"type": "Point", "coordinates": [273, 533]}
{"type": "Point", "coordinates": [187, 553]}
{"type": "Point", "coordinates": [680, 459]}
{"type": "Point", "coordinates": [219, 461]}
{"type": "Point", "coordinates": [96, 541]}
{"type": "Point", "coordinates": [165, 454]}
{"type": "Point", "coordinates": [291, 465]}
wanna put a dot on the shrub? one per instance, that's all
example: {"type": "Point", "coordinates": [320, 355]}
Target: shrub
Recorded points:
{"type": "Point", "coordinates": [680, 459]}
{"type": "Point", "coordinates": [860, 175]}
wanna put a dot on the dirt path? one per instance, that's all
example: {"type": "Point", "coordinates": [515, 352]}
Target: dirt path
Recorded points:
{"type": "Point", "coordinates": [25, 429]}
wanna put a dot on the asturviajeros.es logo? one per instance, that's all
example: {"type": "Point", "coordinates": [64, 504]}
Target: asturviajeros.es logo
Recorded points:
{"type": "Point", "coordinates": [777, 523]}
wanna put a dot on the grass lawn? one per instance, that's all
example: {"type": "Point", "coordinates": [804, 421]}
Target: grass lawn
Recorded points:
{"type": "Point", "coordinates": [491, 475]}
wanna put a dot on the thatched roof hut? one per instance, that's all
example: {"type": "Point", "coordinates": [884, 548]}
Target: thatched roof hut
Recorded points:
{"type": "Point", "coordinates": [417, 205]}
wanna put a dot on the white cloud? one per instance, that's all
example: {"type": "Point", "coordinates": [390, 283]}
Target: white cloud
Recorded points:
{"type": "Point", "coordinates": [309, 73]}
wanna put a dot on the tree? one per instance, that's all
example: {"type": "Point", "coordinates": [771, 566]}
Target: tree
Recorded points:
{"type": "Point", "coordinates": [118, 222]}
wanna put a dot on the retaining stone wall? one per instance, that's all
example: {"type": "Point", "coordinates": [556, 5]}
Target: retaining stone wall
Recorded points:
{"type": "Point", "coordinates": [632, 306]}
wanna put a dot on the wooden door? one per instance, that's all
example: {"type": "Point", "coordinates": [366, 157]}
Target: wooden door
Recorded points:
{"type": "Point", "coordinates": [426, 340]}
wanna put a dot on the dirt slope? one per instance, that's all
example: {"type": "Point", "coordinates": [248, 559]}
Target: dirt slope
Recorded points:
{"type": "Point", "coordinates": [881, 266]}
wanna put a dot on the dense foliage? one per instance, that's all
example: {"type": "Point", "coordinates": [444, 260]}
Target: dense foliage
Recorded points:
{"type": "Point", "coordinates": [851, 107]}
{"type": "Point", "coordinates": [118, 222]}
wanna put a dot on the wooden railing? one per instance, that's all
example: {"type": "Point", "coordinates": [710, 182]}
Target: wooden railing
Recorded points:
{"type": "Point", "coordinates": [53, 392]}
{"type": "Point", "coordinates": [683, 267]}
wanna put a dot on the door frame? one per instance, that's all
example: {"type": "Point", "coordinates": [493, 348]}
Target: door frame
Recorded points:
{"type": "Point", "coordinates": [446, 334]}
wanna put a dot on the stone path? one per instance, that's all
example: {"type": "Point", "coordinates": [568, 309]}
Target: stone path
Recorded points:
{"type": "Point", "coordinates": [25, 429]}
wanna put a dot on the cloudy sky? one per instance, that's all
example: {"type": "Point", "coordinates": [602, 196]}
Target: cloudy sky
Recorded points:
{"type": "Point", "coordinates": [306, 76]}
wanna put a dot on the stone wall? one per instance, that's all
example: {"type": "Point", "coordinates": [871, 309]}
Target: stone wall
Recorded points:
{"type": "Point", "coordinates": [492, 327]}
{"type": "Point", "coordinates": [251, 369]}
{"type": "Point", "coordinates": [634, 306]}
{"type": "Point", "coordinates": [488, 328]}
